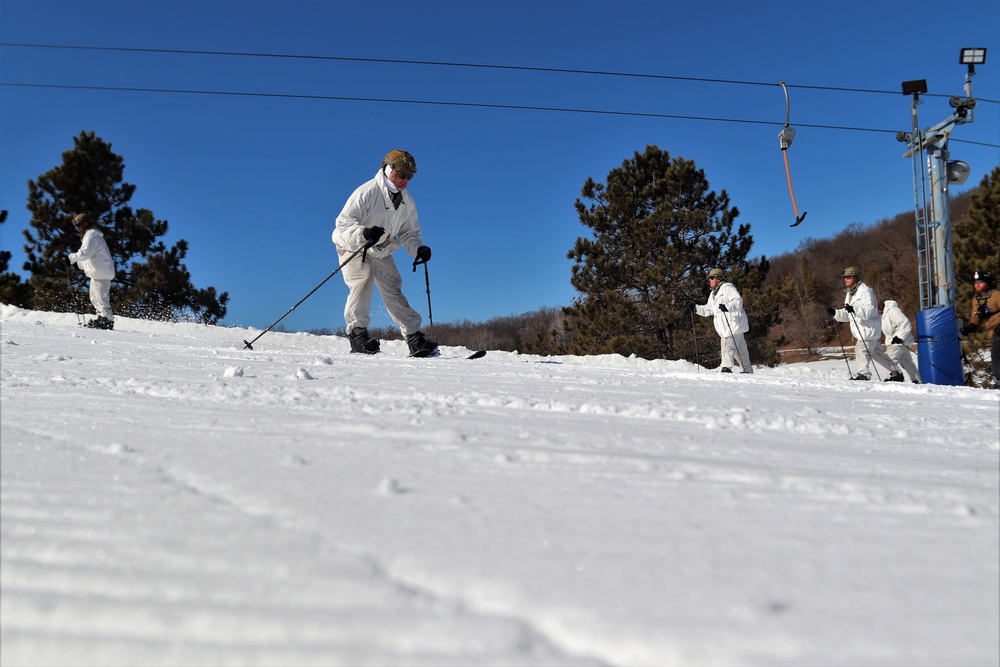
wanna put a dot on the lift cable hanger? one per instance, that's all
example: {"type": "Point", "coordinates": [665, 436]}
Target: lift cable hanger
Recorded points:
{"type": "Point", "coordinates": [785, 137]}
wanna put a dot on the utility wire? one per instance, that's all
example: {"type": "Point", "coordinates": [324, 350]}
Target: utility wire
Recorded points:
{"type": "Point", "coordinates": [521, 68]}
{"type": "Point", "coordinates": [244, 54]}
{"type": "Point", "coordinates": [481, 105]}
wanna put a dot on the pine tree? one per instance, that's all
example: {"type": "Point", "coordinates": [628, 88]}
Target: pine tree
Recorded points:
{"type": "Point", "coordinates": [150, 280]}
{"type": "Point", "coordinates": [977, 248]}
{"type": "Point", "coordinates": [656, 231]}
{"type": "Point", "coordinates": [977, 240]}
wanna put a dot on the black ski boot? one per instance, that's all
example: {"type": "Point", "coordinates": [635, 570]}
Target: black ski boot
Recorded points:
{"type": "Point", "coordinates": [420, 346]}
{"type": "Point", "coordinates": [361, 343]}
{"type": "Point", "coordinates": [862, 376]}
{"type": "Point", "coordinates": [894, 376]}
{"type": "Point", "coordinates": [101, 323]}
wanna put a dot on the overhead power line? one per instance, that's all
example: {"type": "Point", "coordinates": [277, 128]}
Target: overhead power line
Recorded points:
{"type": "Point", "coordinates": [438, 63]}
{"type": "Point", "coordinates": [480, 105]}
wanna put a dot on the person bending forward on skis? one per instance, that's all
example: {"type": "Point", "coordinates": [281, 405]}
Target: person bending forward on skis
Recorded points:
{"type": "Point", "coordinates": [382, 215]}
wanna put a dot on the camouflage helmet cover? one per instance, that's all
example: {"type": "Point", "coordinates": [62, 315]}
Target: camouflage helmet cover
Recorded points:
{"type": "Point", "coordinates": [716, 273]}
{"type": "Point", "coordinates": [851, 272]}
{"type": "Point", "coordinates": [400, 160]}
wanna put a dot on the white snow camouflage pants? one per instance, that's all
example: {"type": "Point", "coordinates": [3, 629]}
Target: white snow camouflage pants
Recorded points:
{"type": "Point", "coordinates": [867, 350]}
{"type": "Point", "coordinates": [733, 346]}
{"type": "Point", "coordinates": [361, 279]}
{"type": "Point", "coordinates": [100, 297]}
{"type": "Point", "coordinates": [903, 356]}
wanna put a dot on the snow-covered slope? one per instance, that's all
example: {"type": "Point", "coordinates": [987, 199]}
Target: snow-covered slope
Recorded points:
{"type": "Point", "coordinates": [170, 498]}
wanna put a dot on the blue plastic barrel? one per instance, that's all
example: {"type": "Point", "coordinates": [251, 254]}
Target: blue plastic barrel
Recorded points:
{"type": "Point", "coordinates": [938, 347]}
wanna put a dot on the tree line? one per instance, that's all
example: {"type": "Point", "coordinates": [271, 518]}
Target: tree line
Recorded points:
{"type": "Point", "coordinates": [649, 252]}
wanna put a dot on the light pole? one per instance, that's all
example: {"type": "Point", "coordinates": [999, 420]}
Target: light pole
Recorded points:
{"type": "Point", "coordinates": [928, 151]}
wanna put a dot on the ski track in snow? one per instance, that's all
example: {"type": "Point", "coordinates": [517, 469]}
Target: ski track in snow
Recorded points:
{"type": "Point", "coordinates": [171, 498]}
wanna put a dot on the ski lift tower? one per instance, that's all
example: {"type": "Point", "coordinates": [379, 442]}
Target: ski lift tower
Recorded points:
{"type": "Point", "coordinates": [937, 326]}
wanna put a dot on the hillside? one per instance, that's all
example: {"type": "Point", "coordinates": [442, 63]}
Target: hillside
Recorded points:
{"type": "Point", "coordinates": [886, 253]}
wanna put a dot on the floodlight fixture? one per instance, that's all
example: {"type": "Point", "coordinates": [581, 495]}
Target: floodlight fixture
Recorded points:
{"type": "Point", "coordinates": [972, 57]}
{"type": "Point", "coordinates": [915, 87]}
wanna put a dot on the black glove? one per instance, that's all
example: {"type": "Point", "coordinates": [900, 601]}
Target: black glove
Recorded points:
{"type": "Point", "coordinates": [423, 254]}
{"type": "Point", "coordinates": [692, 307]}
{"type": "Point", "coordinates": [896, 340]}
{"type": "Point", "coordinates": [373, 234]}
{"type": "Point", "coordinates": [849, 308]}
{"type": "Point", "coordinates": [722, 307]}
{"type": "Point", "coordinates": [967, 329]}
{"type": "Point", "coordinates": [830, 310]}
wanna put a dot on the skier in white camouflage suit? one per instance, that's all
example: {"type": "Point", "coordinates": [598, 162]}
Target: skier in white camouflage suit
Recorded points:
{"type": "Point", "coordinates": [725, 307]}
{"type": "Point", "coordinates": [861, 310]}
{"type": "Point", "coordinates": [382, 213]}
{"type": "Point", "coordinates": [898, 334]}
{"type": "Point", "coordinates": [94, 259]}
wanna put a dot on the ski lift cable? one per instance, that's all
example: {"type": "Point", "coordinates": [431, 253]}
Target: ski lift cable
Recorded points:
{"type": "Point", "coordinates": [437, 63]}
{"type": "Point", "coordinates": [478, 105]}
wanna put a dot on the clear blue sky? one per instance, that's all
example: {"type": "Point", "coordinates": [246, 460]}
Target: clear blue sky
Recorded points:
{"type": "Point", "coordinates": [254, 182]}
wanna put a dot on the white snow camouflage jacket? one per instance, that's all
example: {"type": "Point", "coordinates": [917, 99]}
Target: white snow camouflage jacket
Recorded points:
{"type": "Point", "coordinates": [369, 206]}
{"type": "Point", "coordinates": [896, 324]}
{"type": "Point", "coordinates": [94, 257]}
{"type": "Point", "coordinates": [865, 321]}
{"type": "Point", "coordinates": [734, 320]}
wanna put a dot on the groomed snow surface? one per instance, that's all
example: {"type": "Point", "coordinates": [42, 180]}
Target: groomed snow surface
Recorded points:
{"type": "Point", "coordinates": [171, 498]}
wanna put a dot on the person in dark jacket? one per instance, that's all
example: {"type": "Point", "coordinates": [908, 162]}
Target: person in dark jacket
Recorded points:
{"type": "Point", "coordinates": [986, 316]}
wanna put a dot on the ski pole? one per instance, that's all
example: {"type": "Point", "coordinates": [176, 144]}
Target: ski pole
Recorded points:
{"type": "Point", "coordinates": [75, 295]}
{"type": "Point", "coordinates": [836, 328]}
{"type": "Point", "coordinates": [427, 282]}
{"type": "Point", "coordinates": [249, 345]}
{"type": "Point", "coordinates": [867, 351]}
{"type": "Point", "coordinates": [729, 326]}
{"type": "Point", "coordinates": [966, 364]}
{"type": "Point", "coordinates": [694, 337]}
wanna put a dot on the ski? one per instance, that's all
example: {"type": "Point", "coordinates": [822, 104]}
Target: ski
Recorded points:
{"type": "Point", "coordinates": [423, 354]}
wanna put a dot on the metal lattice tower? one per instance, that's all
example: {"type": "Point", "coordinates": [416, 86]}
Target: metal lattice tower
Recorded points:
{"type": "Point", "coordinates": [925, 262]}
